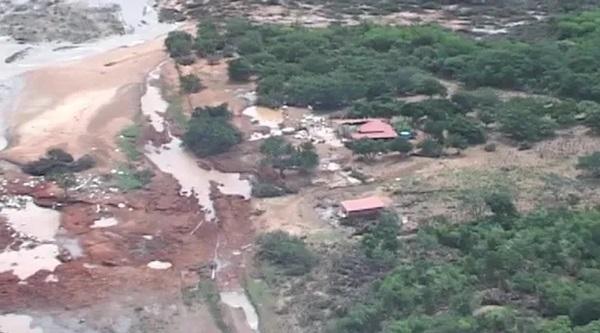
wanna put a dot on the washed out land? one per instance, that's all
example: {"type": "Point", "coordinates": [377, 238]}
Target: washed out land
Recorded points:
{"type": "Point", "coordinates": [300, 166]}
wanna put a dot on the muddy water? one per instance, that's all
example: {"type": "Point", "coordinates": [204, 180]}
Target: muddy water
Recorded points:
{"type": "Point", "coordinates": [26, 261]}
{"type": "Point", "coordinates": [33, 221]}
{"type": "Point", "coordinates": [37, 227]}
{"type": "Point", "coordinates": [264, 116]}
{"type": "Point", "coordinates": [238, 299]}
{"type": "Point", "coordinates": [152, 102]}
{"type": "Point", "coordinates": [14, 323]}
{"type": "Point", "coordinates": [171, 158]}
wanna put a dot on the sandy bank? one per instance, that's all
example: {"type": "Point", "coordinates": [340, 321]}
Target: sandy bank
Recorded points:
{"type": "Point", "coordinates": [81, 105]}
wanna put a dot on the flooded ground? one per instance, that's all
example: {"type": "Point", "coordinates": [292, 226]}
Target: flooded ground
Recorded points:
{"type": "Point", "coordinates": [172, 158]}
{"type": "Point", "coordinates": [239, 300]}
{"type": "Point", "coordinates": [18, 324]}
{"type": "Point", "coordinates": [264, 116]}
{"type": "Point", "coordinates": [35, 246]}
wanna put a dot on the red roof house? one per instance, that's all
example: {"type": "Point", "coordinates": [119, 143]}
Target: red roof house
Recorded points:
{"type": "Point", "coordinates": [364, 206]}
{"type": "Point", "coordinates": [375, 129]}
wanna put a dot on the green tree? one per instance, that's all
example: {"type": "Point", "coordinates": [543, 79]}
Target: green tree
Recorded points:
{"type": "Point", "coordinates": [282, 155]}
{"type": "Point", "coordinates": [179, 44]}
{"type": "Point", "coordinates": [585, 310]}
{"type": "Point", "coordinates": [400, 145]}
{"type": "Point", "coordinates": [468, 129]}
{"type": "Point", "coordinates": [207, 135]}
{"type": "Point", "coordinates": [239, 70]}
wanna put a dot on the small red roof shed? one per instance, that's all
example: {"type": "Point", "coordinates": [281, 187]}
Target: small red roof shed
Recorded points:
{"type": "Point", "coordinates": [362, 205]}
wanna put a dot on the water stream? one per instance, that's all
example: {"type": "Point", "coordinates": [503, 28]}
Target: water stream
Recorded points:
{"type": "Point", "coordinates": [171, 157]}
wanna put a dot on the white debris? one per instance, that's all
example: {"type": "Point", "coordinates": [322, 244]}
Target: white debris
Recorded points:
{"type": "Point", "coordinates": [156, 264]}
{"type": "Point", "coordinates": [148, 237]}
{"type": "Point", "coordinates": [121, 205]}
{"type": "Point", "coordinates": [51, 278]}
{"type": "Point", "coordinates": [105, 222]}
{"type": "Point", "coordinates": [288, 130]}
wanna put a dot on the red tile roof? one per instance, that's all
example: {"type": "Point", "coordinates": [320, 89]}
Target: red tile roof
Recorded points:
{"type": "Point", "coordinates": [374, 126]}
{"type": "Point", "coordinates": [375, 129]}
{"type": "Point", "coordinates": [358, 205]}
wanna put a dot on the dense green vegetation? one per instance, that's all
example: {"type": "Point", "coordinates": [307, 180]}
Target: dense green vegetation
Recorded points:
{"type": "Point", "coordinates": [209, 131]}
{"type": "Point", "coordinates": [367, 69]}
{"type": "Point", "coordinates": [331, 67]}
{"type": "Point", "coordinates": [287, 253]}
{"type": "Point", "coordinates": [505, 273]}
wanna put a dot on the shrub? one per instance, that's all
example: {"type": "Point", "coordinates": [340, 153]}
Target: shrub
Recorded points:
{"type": "Point", "coordinates": [239, 70]}
{"type": "Point", "coordinates": [501, 204]}
{"type": "Point", "coordinates": [190, 83]}
{"type": "Point", "coordinates": [286, 252]}
{"type": "Point", "coordinates": [592, 120]}
{"type": "Point", "coordinates": [58, 161]}
{"type": "Point", "coordinates": [430, 148]}
{"type": "Point", "coordinates": [490, 147]}
{"type": "Point", "coordinates": [590, 164]}
{"type": "Point", "coordinates": [185, 60]}
{"type": "Point", "coordinates": [427, 85]}
{"type": "Point", "coordinates": [367, 148]}
{"type": "Point", "coordinates": [267, 190]}
{"type": "Point", "coordinates": [179, 44]}
{"type": "Point", "coordinates": [381, 242]}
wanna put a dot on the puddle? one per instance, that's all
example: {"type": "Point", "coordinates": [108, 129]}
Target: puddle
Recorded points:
{"type": "Point", "coordinates": [33, 221]}
{"type": "Point", "coordinates": [238, 299]}
{"type": "Point", "coordinates": [14, 323]}
{"type": "Point", "coordinates": [105, 222]}
{"type": "Point", "coordinates": [38, 227]}
{"type": "Point", "coordinates": [171, 158]}
{"type": "Point", "coordinates": [264, 116]}
{"type": "Point", "coordinates": [27, 261]}
{"type": "Point", "coordinates": [156, 264]}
